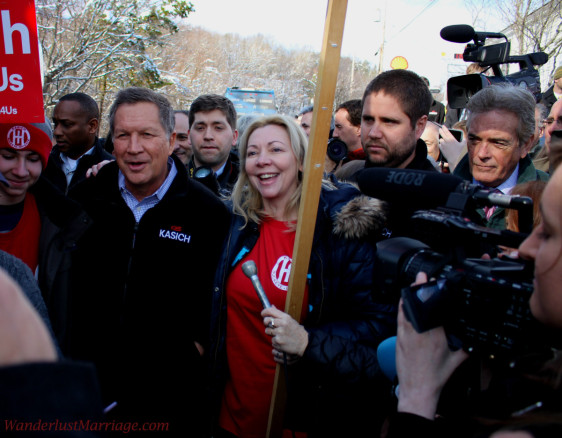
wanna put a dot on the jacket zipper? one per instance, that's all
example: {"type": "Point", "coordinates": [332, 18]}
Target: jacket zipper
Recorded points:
{"type": "Point", "coordinates": [130, 264]}
{"type": "Point", "coordinates": [223, 281]}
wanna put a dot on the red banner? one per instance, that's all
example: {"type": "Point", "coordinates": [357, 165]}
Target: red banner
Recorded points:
{"type": "Point", "coordinates": [21, 93]}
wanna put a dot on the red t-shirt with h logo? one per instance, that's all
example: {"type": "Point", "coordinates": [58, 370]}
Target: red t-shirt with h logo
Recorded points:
{"type": "Point", "coordinates": [247, 396]}
{"type": "Point", "coordinates": [23, 240]}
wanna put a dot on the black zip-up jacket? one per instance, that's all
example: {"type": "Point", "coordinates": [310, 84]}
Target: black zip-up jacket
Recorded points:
{"type": "Point", "coordinates": [63, 222]}
{"type": "Point", "coordinates": [336, 389]}
{"type": "Point", "coordinates": [54, 173]}
{"type": "Point", "coordinates": [137, 316]}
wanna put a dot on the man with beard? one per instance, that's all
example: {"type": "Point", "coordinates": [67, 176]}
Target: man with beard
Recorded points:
{"type": "Point", "coordinates": [395, 109]}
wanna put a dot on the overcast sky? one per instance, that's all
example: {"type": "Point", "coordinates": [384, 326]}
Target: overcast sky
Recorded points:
{"type": "Point", "coordinates": [412, 28]}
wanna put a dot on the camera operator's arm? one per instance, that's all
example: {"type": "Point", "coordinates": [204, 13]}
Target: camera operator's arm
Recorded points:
{"type": "Point", "coordinates": [451, 149]}
{"type": "Point", "coordinates": [424, 363]}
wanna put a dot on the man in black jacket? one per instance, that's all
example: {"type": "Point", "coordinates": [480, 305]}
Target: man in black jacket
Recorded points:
{"type": "Point", "coordinates": [143, 318]}
{"type": "Point", "coordinates": [212, 130]}
{"type": "Point", "coordinates": [395, 109]}
{"type": "Point", "coordinates": [76, 120]}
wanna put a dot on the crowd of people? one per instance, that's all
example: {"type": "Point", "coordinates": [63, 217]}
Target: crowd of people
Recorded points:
{"type": "Point", "coordinates": [124, 298]}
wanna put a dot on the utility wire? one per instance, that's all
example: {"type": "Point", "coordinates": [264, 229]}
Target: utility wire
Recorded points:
{"type": "Point", "coordinates": [429, 5]}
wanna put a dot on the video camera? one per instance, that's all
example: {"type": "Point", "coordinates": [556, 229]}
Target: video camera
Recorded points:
{"type": "Point", "coordinates": [483, 304]}
{"type": "Point", "coordinates": [461, 88]}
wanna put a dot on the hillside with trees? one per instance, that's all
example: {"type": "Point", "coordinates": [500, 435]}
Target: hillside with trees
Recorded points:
{"type": "Point", "coordinates": [100, 46]}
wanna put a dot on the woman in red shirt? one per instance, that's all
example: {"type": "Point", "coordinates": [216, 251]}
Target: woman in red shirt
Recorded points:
{"type": "Point", "coordinates": [330, 354]}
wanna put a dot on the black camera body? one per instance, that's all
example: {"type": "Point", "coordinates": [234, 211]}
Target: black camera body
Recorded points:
{"type": "Point", "coordinates": [483, 304]}
{"type": "Point", "coordinates": [461, 88]}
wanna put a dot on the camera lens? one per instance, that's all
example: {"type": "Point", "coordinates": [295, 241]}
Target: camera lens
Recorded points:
{"type": "Point", "coordinates": [337, 150]}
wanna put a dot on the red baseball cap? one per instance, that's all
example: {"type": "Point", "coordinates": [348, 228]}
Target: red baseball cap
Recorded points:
{"type": "Point", "coordinates": [25, 137]}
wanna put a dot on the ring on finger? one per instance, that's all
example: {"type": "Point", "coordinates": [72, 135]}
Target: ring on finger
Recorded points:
{"type": "Point", "coordinates": [272, 323]}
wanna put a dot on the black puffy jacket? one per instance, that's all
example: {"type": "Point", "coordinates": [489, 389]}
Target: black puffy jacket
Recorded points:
{"type": "Point", "coordinates": [336, 389]}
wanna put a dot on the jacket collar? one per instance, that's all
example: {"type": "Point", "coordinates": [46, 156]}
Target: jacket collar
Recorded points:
{"type": "Point", "coordinates": [97, 151]}
{"type": "Point", "coordinates": [106, 182]}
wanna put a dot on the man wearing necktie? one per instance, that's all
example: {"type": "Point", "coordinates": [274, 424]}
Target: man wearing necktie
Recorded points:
{"type": "Point", "coordinates": [501, 126]}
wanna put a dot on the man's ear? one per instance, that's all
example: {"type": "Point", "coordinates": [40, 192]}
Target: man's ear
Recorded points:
{"type": "Point", "coordinates": [525, 148]}
{"type": "Point", "coordinates": [93, 126]}
{"type": "Point", "coordinates": [172, 143]}
{"type": "Point", "coordinates": [234, 137]}
{"type": "Point", "coordinates": [420, 126]}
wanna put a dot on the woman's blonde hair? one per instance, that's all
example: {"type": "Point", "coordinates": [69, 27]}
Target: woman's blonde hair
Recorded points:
{"type": "Point", "coordinates": [246, 200]}
{"type": "Point", "coordinates": [532, 189]}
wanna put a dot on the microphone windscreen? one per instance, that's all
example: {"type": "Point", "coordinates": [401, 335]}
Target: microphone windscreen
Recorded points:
{"type": "Point", "coordinates": [458, 33]}
{"type": "Point", "coordinates": [249, 268]}
{"type": "Point", "coordinates": [413, 189]}
{"type": "Point", "coordinates": [386, 355]}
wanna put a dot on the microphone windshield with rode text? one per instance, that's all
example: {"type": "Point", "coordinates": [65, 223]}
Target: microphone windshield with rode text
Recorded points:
{"type": "Point", "coordinates": [410, 188]}
{"type": "Point", "coordinates": [410, 191]}
{"type": "Point", "coordinates": [425, 189]}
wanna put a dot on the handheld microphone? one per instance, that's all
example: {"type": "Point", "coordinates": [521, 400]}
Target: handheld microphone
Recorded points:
{"type": "Point", "coordinates": [251, 271]}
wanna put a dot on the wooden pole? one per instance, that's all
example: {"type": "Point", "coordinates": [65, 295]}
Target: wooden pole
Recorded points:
{"type": "Point", "coordinates": [312, 182]}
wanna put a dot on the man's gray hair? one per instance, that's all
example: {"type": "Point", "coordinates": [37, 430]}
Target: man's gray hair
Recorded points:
{"type": "Point", "coordinates": [506, 97]}
{"type": "Point", "coordinates": [543, 111]}
{"type": "Point", "coordinates": [134, 95]}
{"type": "Point", "coordinates": [306, 109]}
